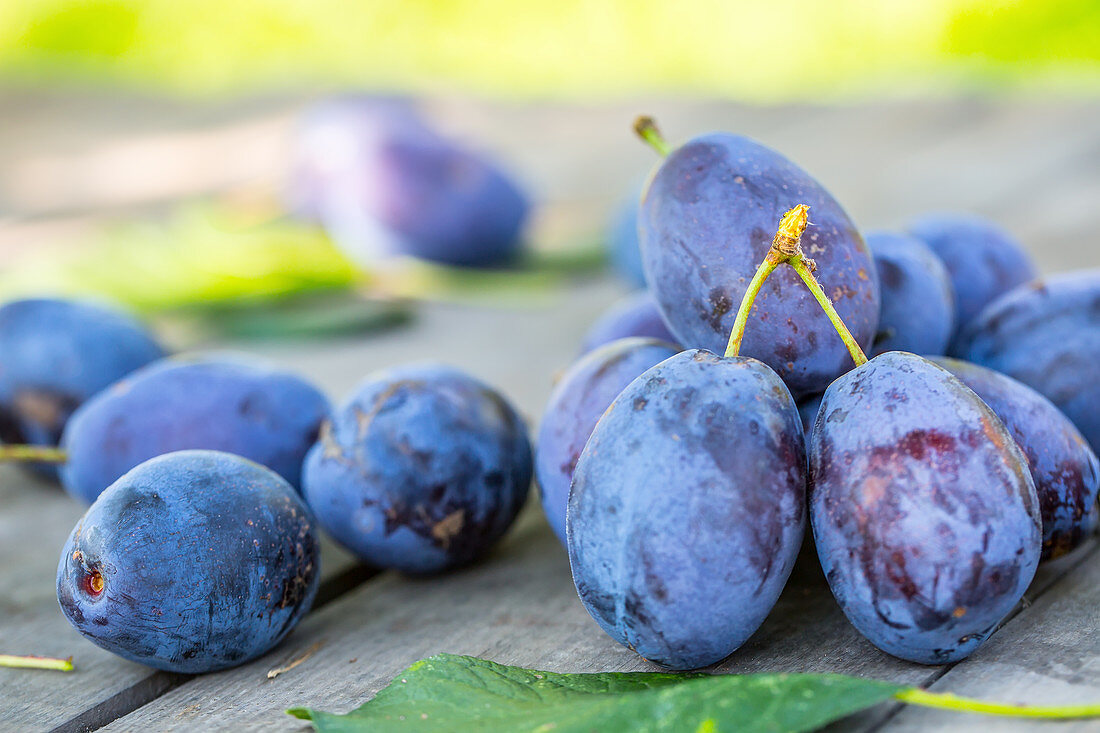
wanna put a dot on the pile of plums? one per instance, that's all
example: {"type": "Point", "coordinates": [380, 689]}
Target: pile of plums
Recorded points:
{"type": "Point", "coordinates": [936, 476]}
{"type": "Point", "coordinates": [200, 458]}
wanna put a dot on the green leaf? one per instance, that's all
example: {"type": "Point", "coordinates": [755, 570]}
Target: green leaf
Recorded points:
{"type": "Point", "coordinates": [448, 693]}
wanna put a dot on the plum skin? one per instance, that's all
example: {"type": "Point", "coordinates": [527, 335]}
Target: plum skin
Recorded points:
{"type": "Point", "coordinates": [1063, 466]}
{"type": "Point", "coordinates": [982, 260]}
{"type": "Point", "coordinates": [1046, 334]}
{"type": "Point", "coordinates": [235, 404]}
{"type": "Point", "coordinates": [207, 560]}
{"type": "Point", "coordinates": [924, 514]}
{"type": "Point", "coordinates": [634, 315]}
{"type": "Point", "coordinates": [422, 469]}
{"type": "Point", "coordinates": [57, 354]}
{"type": "Point", "coordinates": [687, 508]}
{"type": "Point", "coordinates": [580, 397]}
{"type": "Point", "coordinates": [708, 217]}
{"type": "Point", "coordinates": [918, 299]}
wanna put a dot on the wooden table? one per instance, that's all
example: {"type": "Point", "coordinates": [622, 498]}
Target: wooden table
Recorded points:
{"type": "Point", "coordinates": [67, 161]}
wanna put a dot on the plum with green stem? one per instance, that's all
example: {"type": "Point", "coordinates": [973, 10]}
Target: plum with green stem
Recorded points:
{"type": "Point", "coordinates": [924, 514]}
{"type": "Point", "coordinates": [706, 221]}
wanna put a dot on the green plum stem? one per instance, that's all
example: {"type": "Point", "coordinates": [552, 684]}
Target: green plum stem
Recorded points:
{"type": "Point", "coordinates": [945, 701]}
{"type": "Point", "coordinates": [32, 454]}
{"type": "Point", "coordinates": [646, 129]}
{"type": "Point", "coordinates": [799, 265]}
{"type": "Point", "coordinates": [32, 662]}
{"type": "Point", "coordinates": [772, 261]}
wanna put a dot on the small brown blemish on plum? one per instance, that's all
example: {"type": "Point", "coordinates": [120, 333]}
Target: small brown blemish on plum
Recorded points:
{"type": "Point", "coordinates": [720, 305]}
{"type": "Point", "coordinates": [445, 529]}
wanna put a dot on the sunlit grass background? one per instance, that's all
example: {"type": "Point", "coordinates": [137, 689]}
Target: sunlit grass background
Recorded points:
{"type": "Point", "coordinates": [758, 51]}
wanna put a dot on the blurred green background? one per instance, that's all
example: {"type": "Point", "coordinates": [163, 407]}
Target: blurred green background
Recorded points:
{"type": "Point", "coordinates": [756, 51]}
{"type": "Point", "coordinates": [122, 118]}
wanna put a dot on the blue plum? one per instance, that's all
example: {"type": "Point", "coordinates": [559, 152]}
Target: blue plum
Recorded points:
{"type": "Point", "coordinates": [579, 398]}
{"type": "Point", "coordinates": [623, 245]}
{"type": "Point", "coordinates": [422, 469]}
{"type": "Point", "coordinates": [707, 221]}
{"type": "Point", "coordinates": [218, 402]}
{"type": "Point", "coordinates": [982, 259]}
{"type": "Point", "coordinates": [383, 182]}
{"type": "Point", "coordinates": [687, 508]}
{"type": "Point", "coordinates": [1046, 334]}
{"type": "Point", "coordinates": [924, 514]}
{"type": "Point", "coordinates": [634, 315]}
{"type": "Point", "coordinates": [918, 299]}
{"type": "Point", "coordinates": [192, 562]}
{"type": "Point", "coordinates": [1063, 467]}
{"type": "Point", "coordinates": [55, 355]}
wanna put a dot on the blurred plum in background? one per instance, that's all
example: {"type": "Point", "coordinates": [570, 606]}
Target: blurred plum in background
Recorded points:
{"type": "Point", "coordinates": [383, 182]}
{"type": "Point", "coordinates": [634, 315]}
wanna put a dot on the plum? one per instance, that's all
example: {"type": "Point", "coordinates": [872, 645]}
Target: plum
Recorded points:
{"type": "Point", "coordinates": [191, 562]}
{"type": "Point", "coordinates": [579, 398]}
{"type": "Point", "coordinates": [918, 299]}
{"type": "Point", "coordinates": [421, 470]}
{"type": "Point", "coordinates": [219, 402]}
{"type": "Point", "coordinates": [924, 513]}
{"type": "Point", "coordinates": [1046, 334]}
{"type": "Point", "coordinates": [706, 222]}
{"type": "Point", "coordinates": [687, 508]}
{"type": "Point", "coordinates": [383, 182]}
{"type": "Point", "coordinates": [55, 355]}
{"type": "Point", "coordinates": [982, 259]}
{"type": "Point", "coordinates": [634, 315]}
{"type": "Point", "coordinates": [1063, 467]}
{"type": "Point", "coordinates": [622, 242]}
